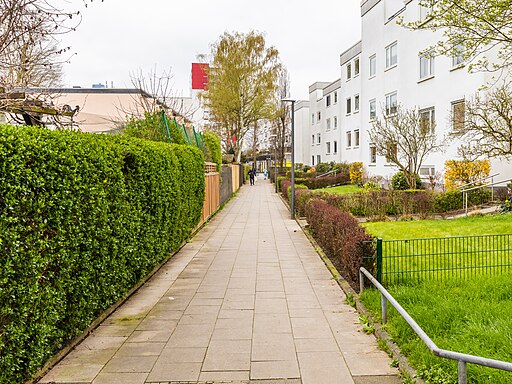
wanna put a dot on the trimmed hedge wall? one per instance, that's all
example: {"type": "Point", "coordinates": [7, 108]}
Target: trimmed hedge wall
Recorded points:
{"type": "Point", "coordinates": [82, 219]}
{"type": "Point", "coordinates": [341, 238]}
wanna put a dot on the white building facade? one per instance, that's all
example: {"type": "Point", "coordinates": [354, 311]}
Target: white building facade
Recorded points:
{"type": "Point", "coordinates": [385, 69]}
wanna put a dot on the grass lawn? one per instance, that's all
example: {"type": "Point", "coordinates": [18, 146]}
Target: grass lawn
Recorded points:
{"type": "Point", "coordinates": [473, 317]}
{"type": "Point", "coordinates": [465, 226]}
{"type": "Point", "coordinates": [341, 189]}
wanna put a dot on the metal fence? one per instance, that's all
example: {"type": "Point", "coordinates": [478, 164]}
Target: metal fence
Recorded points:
{"type": "Point", "coordinates": [399, 261]}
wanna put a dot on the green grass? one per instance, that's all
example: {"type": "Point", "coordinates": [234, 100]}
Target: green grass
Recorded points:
{"type": "Point", "coordinates": [466, 226]}
{"type": "Point", "coordinates": [342, 189]}
{"type": "Point", "coordinates": [473, 317]}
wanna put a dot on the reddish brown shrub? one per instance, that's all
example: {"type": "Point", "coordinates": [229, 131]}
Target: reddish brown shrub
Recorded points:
{"type": "Point", "coordinates": [341, 238]}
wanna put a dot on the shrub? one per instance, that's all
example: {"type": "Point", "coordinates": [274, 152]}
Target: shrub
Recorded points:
{"type": "Point", "coordinates": [371, 186]}
{"type": "Point", "coordinates": [152, 127]}
{"type": "Point", "coordinates": [448, 201]}
{"type": "Point", "coordinates": [341, 238]}
{"type": "Point", "coordinates": [356, 173]}
{"type": "Point", "coordinates": [298, 187]}
{"type": "Point", "coordinates": [280, 179]}
{"type": "Point", "coordinates": [399, 182]}
{"type": "Point", "coordinates": [460, 172]}
{"type": "Point", "coordinates": [213, 151]}
{"type": "Point", "coordinates": [323, 168]}
{"type": "Point", "coordinates": [342, 168]}
{"type": "Point", "coordinates": [83, 218]}
{"type": "Point", "coordinates": [323, 182]}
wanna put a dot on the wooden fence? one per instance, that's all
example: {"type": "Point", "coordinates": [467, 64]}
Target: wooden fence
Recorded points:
{"type": "Point", "coordinates": [212, 188]}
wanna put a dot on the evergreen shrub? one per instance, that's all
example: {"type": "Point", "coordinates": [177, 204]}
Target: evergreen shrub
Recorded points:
{"type": "Point", "coordinates": [83, 218]}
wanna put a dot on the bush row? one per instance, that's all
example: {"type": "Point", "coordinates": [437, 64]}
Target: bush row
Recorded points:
{"type": "Point", "coordinates": [392, 203]}
{"type": "Point", "coordinates": [82, 219]}
{"type": "Point", "coordinates": [342, 239]}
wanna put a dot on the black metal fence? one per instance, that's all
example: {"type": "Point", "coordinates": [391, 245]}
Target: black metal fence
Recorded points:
{"type": "Point", "coordinates": [399, 261]}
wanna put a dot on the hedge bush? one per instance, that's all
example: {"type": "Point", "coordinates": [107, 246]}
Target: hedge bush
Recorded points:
{"type": "Point", "coordinates": [341, 238]}
{"type": "Point", "coordinates": [212, 148]}
{"type": "Point", "coordinates": [82, 219]}
{"type": "Point", "coordinates": [324, 182]}
{"type": "Point", "coordinates": [152, 127]}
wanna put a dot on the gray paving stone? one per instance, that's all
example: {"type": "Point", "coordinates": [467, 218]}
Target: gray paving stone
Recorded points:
{"type": "Point", "coordinates": [247, 301]}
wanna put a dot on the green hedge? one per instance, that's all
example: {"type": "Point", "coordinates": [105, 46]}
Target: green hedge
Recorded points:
{"type": "Point", "coordinates": [82, 219]}
{"type": "Point", "coordinates": [213, 148]}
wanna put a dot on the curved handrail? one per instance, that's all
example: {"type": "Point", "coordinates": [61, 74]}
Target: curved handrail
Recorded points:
{"type": "Point", "coordinates": [462, 358]}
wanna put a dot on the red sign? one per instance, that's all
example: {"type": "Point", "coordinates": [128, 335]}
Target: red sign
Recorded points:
{"type": "Point", "coordinates": [199, 76]}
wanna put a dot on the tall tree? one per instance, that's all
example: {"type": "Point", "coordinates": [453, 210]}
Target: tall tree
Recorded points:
{"type": "Point", "coordinates": [241, 84]}
{"type": "Point", "coordinates": [405, 138]}
{"type": "Point", "coordinates": [478, 31]}
{"type": "Point", "coordinates": [485, 124]}
{"type": "Point", "coordinates": [282, 116]}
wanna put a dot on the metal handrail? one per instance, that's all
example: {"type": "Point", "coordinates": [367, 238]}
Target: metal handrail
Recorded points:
{"type": "Point", "coordinates": [462, 358]}
{"type": "Point", "coordinates": [465, 191]}
{"type": "Point", "coordinates": [477, 181]}
{"type": "Point", "coordinates": [327, 173]}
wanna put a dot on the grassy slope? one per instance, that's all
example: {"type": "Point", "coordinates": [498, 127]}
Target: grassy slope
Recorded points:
{"type": "Point", "coordinates": [472, 317]}
{"type": "Point", "coordinates": [466, 226]}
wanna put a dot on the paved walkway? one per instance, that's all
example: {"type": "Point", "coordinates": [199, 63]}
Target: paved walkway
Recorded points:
{"type": "Point", "coordinates": [247, 300]}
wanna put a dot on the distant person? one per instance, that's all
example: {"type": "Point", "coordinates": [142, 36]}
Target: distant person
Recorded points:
{"type": "Point", "coordinates": [251, 175]}
{"type": "Point", "coordinates": [264, 174]}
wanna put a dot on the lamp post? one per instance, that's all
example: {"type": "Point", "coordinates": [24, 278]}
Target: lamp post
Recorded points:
{"type": "Point", "coordinates": [292, 101]}
{"type": "Point", "coordinates": [275, 159]}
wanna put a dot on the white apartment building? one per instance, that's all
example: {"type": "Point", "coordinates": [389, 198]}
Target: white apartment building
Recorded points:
{"type": "Point", "coordinates": [384, 69]}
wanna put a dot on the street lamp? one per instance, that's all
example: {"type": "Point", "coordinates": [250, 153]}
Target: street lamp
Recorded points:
{"type": "Point", "coordinates": [292, 101]}
{"type": "Point", "coordinates": [275, 159]}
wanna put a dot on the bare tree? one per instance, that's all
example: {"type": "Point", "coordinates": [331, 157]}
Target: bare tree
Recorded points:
{"type": "Point", "coordinates": [486, 124]}
{"type": "Point", "coordinates": [405, 139]}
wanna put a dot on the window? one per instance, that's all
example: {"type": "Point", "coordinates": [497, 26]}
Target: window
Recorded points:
{"type": "Point", "coordinates": [328, 124]}
{"type": "Point", "coordinates": [426, 65]}
{"type": "Point", "coordinates": [373, 154]}
{"type": "Point", "coordinates": [373, 65]}
{"type": "Point", "coordinates": [328, 100]}
{"type": "Point", "coordinates": [349, 139]}
{"type": "Point", "coordinates": [427, 170]}
{"type": "Point", "coordinates": [328, 149]}
{"type": "Point", "coordinates": [391, 55]}
{"type": "Point", "coordinates": [349, 71]}
{"type": "Point", "coordinates": [312, 118]}
{"type": "Point", "coordinates": [356, 138]}
{"type": "Point", "coordinates": [335, 122]}
{"type": "Point", "coordinates": [312, 160]}
{"type": "Point", "coordinates": [318, 159]}
{"type": "Point", "coordinates": [318, 116]}
{"type": "Point", "coordinates": [427, 120]}
{"type": "Point", "coordinates": [356, 67]}
{"type": "Point", "coordinates": [334, 147]}
{"type": "Point", "coordinates": [318, 138]}
{"type": "Point", "coordinates": [458, 115]}
{"type": "Point", "coordinates": [373, 110]}
{"type": "Point", "coordinates": [335, 97]}
{"type": "Point", "coordinates": [458, 57]}
{"type": "Point", "coordinates": [391, 104]}
{"type": "Point", "coordinates": [356, 103]}
{"type": "Point", "coordinates": [312, 139]}
{"type": "Point", "coordinates": [349, 106]}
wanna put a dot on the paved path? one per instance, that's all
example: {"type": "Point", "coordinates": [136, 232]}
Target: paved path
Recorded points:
{"type": "Point", "coordinates": [247, 300]}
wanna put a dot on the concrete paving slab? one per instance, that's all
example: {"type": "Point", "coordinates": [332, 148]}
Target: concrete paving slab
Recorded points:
{"type": "Point", "coordinates": [247, 301]}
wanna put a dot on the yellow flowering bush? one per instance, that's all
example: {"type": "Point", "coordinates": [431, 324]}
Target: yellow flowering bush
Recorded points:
{"type": "Point", "coordinates": [460, 172]}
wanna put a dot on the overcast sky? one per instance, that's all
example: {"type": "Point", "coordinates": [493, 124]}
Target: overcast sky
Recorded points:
{"type": "Point", "coordinates": [118, 37]}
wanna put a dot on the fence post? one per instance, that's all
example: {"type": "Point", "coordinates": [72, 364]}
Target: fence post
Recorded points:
{"type": "Point", "coordinates": [379, 260]}
{"type": "Point", "coordinates": [361, 281]}
{"type": "Point", "coordinates": [384, 308]}
{"type": "Point", "coordinates": [463, 376]}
